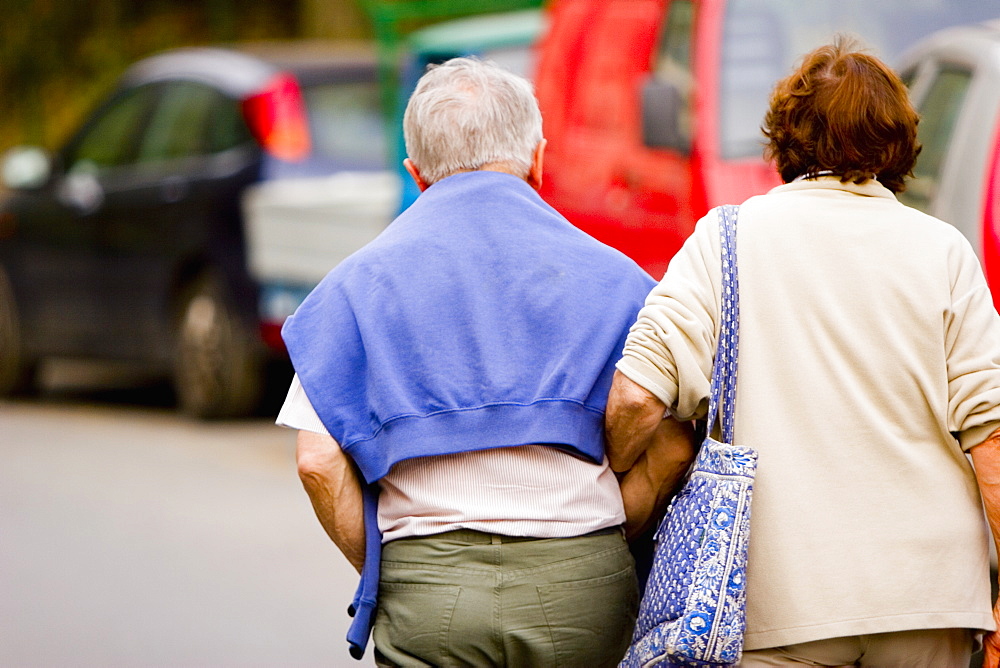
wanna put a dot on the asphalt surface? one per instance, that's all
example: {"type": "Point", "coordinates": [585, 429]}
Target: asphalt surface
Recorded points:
{"type": "Point", "coordinates": [131, 536]}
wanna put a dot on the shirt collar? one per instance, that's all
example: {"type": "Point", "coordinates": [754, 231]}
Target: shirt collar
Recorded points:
{"type": "Point", "coordinates": [869, 188]}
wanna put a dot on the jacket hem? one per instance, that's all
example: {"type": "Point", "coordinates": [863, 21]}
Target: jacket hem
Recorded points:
{"type": "Point", "coordinates": [551, 422]}
{"type": "Point", "coordinates": [868, 626]}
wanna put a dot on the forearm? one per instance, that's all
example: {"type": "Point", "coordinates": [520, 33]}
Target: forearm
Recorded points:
{"type": "Point", "coordinates": [653, 479]}
{"type": "Point", "coordinates": [986, 460]}
{"type": "Point", "coordinates": [651, 453]}
{"type": "Point", "coordinates": [334, 488]}
{"type": "Point", "coordinates": [631, 422]}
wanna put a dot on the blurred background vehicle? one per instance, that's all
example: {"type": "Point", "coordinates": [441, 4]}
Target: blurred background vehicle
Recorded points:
{"type": "Point", "coordinates": [192, 212]}
{"type": "Point", "coordinates": [954, 79]}
{"type": "Point", "coordinates": [652, 108]}
{"type": "Point", "coordinates": [300, 228]}
{"type": "Point", "coordinates": [507, 38]}
{"type": "Point", "coordinates": [145, 238]}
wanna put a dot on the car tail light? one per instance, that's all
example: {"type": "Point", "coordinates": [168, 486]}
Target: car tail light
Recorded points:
{"type": "Point", "coordinates": [991, 219]}
{"type": "Point", "coordinates": [277, 118]}
{"type": "Point", "coordinates": [270, 333]}
{"type": "Point", "coordinates": [8, 224]}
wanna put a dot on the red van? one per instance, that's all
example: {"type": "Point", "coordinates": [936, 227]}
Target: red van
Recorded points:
{"type": "Point", "coordinates": [652, 108]}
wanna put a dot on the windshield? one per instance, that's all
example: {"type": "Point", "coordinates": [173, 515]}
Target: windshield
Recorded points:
{"type": "Point", "coordinates": [347, 126]}
{"type": "Point", "coordinates": [763, 40]}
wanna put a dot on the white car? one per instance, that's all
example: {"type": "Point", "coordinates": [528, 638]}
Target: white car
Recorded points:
{"type": "Point", "coordinates": [954, 80]}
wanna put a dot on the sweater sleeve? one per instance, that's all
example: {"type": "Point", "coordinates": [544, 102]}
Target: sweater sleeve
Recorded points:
{"type": "Point", "coordinates": [670, 348]}
{"type": "Point", "coordinates": [972, 346]}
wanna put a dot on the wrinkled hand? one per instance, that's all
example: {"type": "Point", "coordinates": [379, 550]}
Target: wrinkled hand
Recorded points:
{"type": "Point", "coordinates": [991, 643]}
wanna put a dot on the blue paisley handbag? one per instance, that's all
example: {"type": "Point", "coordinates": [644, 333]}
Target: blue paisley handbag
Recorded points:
{"type": "Point", "coordinates": [693, 609]}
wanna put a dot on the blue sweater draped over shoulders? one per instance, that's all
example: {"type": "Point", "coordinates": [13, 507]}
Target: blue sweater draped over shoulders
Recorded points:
{"type": "Point", "coordinates": [479, 318]}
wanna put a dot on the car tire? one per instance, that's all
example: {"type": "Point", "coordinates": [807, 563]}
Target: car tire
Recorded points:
{"type": "Point", "coordinates": [218, 362]}
{"type": "Point", "coordinates": [17, 370]}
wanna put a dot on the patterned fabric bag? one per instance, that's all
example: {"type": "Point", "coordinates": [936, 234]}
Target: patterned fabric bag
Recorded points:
{"type": "Point", "coordinates": [693, 609]}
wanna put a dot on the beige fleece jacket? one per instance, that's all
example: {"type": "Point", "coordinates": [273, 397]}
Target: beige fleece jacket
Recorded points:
{"type": "Point", "coordinates": [868, 341]}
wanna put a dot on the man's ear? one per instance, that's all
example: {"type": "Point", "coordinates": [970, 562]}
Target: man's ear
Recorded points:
{"type": "Point", "coordinates": [415, 173]}
{"type": "Point", "coordinates": [535, 173]}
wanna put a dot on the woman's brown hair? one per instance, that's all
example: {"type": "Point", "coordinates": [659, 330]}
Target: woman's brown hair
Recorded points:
{"type": "Point", "coordinates": [845, 112]}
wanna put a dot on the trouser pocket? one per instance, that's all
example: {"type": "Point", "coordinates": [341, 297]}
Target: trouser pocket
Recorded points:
{"type": "Point", "coordinates": [591, 620]}
{"type": "Point", "coordinates": [412, 622]}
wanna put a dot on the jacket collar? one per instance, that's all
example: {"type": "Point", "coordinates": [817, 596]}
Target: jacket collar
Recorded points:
{"type": "Point", "coordinates": [869, 188]}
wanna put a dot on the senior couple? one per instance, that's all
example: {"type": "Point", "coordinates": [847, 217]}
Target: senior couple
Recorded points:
{"type": "Point", "coordinates": [491, 403]}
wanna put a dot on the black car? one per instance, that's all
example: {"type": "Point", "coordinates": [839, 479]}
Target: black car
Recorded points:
{"type": "Point", "coordinates": [130, 242]}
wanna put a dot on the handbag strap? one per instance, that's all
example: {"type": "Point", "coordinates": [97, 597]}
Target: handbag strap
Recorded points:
{"type": "Point", "coordinates": [727, 353]}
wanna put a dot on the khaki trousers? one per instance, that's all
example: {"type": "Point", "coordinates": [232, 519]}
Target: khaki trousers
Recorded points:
{"type": "Point", "coordinates": [924, 648]}
{"type": "Point", "coordinates": [465, 598]}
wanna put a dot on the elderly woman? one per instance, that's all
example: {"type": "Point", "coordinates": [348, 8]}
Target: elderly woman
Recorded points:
{"type": "Point", "coordinates": [869, 367]}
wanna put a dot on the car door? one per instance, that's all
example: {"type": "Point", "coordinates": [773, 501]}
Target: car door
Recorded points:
{"type": "Point", "coordinates": [58, 231]}
{"type": "Point", "coordinates": [176, 206]}
{"type": "Point", "coordinates": [656, 181]}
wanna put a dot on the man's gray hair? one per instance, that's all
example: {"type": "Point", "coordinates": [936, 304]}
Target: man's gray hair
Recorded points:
{"type": "Point", "coordinates": [466, 113]}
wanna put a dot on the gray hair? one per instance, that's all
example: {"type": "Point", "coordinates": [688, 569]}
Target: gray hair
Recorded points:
{"type": "Point", "coordinates": [466, 113]}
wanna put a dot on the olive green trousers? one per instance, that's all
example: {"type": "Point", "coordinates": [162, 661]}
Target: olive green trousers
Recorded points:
{"type": "Point", "coordinates": [466, 598]}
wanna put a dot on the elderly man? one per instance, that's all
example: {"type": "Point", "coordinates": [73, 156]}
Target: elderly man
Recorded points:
{"type": "Point", "coordinates": [451, 383]}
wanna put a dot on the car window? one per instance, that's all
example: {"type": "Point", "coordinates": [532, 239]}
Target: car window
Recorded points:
{"type": "Point", "coordinates": [519, 59]}
{"type": "Point", "coordinates": [346, 125]}
{"type": "Point", "coordinates": [673, 62]}
{"type": "Point", "coordinates": [763, 39]}
{"type": "Point", "coordinates": [225, 125]}
{"type": "Point", "coordinates": [516, 58]}
{"type": "Point", "coordinates": [939, 111]}
{"type": "Point", "coordinates": [190, 120]}
{"type": "Point", "coordinates": [111, 138]}
{"type": "Point", "coordinates": [753, 60]}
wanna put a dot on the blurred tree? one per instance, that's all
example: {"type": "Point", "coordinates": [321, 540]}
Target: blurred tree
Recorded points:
{"type": "Point", "coordinates": [59, 58]}
{"type": "Point", "coordinates": [326, 18]}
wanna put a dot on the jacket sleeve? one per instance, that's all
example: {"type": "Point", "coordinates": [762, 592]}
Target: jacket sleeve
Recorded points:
{"type": "Point", "coordinates": [972, 348]}
{"type": "Point", "coordinates": [670, 348]}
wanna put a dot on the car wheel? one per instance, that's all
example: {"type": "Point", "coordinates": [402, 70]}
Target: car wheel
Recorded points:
{"type": "Point", "coordinates": [218, 365]}
{"type": "Point", "coordinates": [16, 369]}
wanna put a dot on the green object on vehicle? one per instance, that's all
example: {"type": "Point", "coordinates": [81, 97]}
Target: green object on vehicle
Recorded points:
{"type": "Point", "coordinates": [393, 20]}
{"type": "Point", "coordinates": [478, 33]}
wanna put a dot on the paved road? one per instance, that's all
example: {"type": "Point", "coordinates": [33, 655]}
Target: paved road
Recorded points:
{"type": "Point", "coordinates": [132, 537]}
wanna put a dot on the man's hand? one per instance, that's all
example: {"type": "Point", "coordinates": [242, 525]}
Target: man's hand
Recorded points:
{"type": "Point", "coordinates": [651, 453]}
{"type": "Point", "coordinates": [986, 461]}
{"type": "Point", "coordinates": [334, 488]}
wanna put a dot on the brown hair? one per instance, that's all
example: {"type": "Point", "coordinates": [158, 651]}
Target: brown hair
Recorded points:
{"type": "Point", "coordinates": [846, 112]}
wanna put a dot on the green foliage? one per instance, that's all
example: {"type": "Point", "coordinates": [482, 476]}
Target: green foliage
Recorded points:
{"type": "Point", "coordinates": [59, 57]}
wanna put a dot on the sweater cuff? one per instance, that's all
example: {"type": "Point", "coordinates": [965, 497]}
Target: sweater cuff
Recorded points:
{"type": "Point", "coordinates": [973, 436]}
{"type": "Point", "coordinates": [647, 376]}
